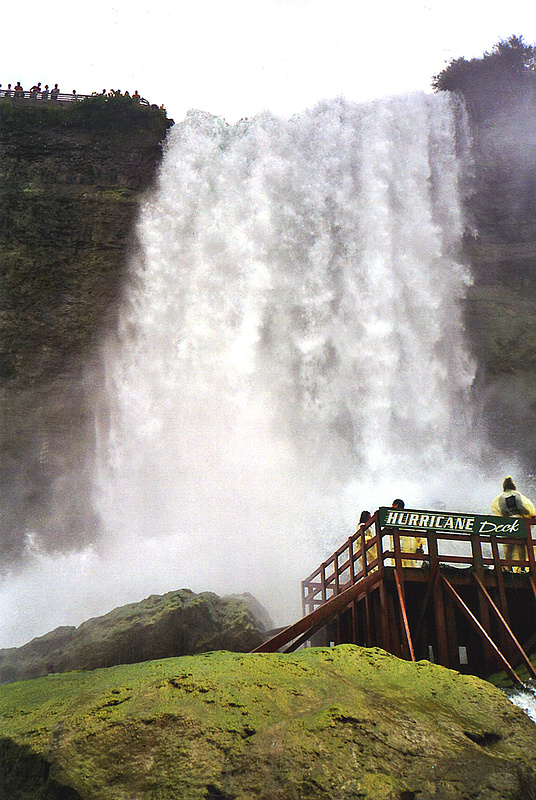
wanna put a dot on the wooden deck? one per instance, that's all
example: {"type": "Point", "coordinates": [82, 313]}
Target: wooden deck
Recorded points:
{"type": "Point", "coordinates": [460, 602]}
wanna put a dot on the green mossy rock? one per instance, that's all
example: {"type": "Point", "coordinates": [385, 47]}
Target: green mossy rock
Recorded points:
{"type": "Point", "coordinates": [174, 624]}
{"type": "Point", "coordinates": [338, 724]}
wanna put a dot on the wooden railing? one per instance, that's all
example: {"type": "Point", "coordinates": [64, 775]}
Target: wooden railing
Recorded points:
{"type": "Point", "coordinates": [372, 547]}
{"type": "Point", "coordinates": [454, 600]}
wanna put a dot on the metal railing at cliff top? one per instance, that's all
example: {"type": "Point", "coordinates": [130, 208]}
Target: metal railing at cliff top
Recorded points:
{"type": "Point", "coordinates": [48, 97]}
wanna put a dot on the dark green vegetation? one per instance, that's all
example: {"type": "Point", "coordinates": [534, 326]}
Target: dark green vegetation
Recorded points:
{"type": "Point", "coordinates": [175, 624]}
{"type": "Point", "coordinates": [72, 177]}
{"type": "Point", "coordinates": [338, 724]}
{"type": "Point", "coordinates": [502, 78]}
{"type": "Point", "coordinates": [499, 90]}
{"type": "Point", "coordinates": [116, 115]}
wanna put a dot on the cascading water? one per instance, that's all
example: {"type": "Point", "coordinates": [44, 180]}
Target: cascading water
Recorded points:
{"type": "Point", "coordinates": [525, 699]}
{"type": "Point", "coordinates": [291, 351]}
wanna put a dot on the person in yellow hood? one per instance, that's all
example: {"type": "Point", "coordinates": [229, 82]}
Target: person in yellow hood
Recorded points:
{"type": "Point", "coordinates": [511, 503]}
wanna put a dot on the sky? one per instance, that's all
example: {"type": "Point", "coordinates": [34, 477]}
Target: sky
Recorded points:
{"type": "Point", "coordinates": [237, 58]}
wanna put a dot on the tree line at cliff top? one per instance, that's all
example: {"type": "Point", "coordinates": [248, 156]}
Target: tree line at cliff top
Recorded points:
{"type": "Point", "coordinates": [500, 77]}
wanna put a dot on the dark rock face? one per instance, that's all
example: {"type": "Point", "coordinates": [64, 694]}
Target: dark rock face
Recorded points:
{"type": "Point", "coordinates": [70, 187]}
{"type": "Point", "coordinates": [177, 623]}
{"type": "Point", "coordinates": [500, 309]}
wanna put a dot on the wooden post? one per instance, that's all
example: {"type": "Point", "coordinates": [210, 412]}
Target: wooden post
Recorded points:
{"type": "Point", "coordinates": [499, 577]}
{"type": "Point", "coordinates": [483, 609]}
{"type": "Point", "coordinates": [364, 565]}
{"type": "Point", "coordinates": [396, 545]}
{"type": "Point", "coordinates": [355, 629]}
{"type": "Point", "coordinates": [323, 582]}
{"type": "Point", "coordinates": [421, 631]}
{"type": "Point", "coordinates": [452, 638]}
{"type": "Point", "coordinates": [499, 580]}
{"type": "Point", "coordinates": [530, 555]}
{"type": "Point", "coordinates": [439, 605]}
{"type": "Point", "coordinates": [384, 614]}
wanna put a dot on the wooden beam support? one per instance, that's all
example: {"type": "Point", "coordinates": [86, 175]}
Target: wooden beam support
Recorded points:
{"type": "Point", "coordinates": [323, 614]}
{"type": "Point", "coordinates": [402, 601]}
{"type": "Point", "coordinates": [526, 660]}
{"type": "Point", "coordinates": [483, 633]}
{"type": "Point", "coordinates": [439, 607]}
{"type": "Point", "coordinates": [499, 577]}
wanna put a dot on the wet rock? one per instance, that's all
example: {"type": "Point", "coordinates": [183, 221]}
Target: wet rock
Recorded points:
{"type": "Point", "coordinates": [173, 624]}
{"type": "Point", "coordinates": [322, 724]}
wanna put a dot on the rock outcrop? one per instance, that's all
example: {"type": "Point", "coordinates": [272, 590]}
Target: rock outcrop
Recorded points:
{"type": "Point", "coordinates": [499, 91]}
{"type": "Point", "coordinates": [71, 183]}
{"type": "Point", "coordinates": [174, 624]}
{"type": "Point", "coordinates": [323, 724]}
{"type": "Point", "coordinates": [500, 307]}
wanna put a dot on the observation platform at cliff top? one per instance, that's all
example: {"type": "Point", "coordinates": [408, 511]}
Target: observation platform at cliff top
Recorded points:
{"type": "Point", "coordinates": [41, 97]}
{"type": "Point", "coordinates": [466, 600]}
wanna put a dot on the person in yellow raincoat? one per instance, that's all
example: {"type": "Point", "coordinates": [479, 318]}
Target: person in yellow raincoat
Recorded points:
{"type": "Point", "coordinates": [511, 503]}
{"type": "Point", "coordinates": [408, 544]}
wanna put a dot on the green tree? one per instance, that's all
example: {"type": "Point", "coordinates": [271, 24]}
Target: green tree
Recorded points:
{"type": "Point", "coordinates": [501, 77]}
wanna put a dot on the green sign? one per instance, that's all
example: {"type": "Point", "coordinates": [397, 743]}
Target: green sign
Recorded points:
{"type": "Point", "coordinates": [411, 519]}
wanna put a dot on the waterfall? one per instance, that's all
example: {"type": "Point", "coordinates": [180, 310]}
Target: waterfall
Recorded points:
{"type": "Point", "coordinates": [524, 698]}
{"type": "Point", "coordinates": [291, 349]}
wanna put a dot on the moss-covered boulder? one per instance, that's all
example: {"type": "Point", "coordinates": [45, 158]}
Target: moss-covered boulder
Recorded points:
{"type": "Point", "coordinates": [174, 624]}
{"type": "Point", "coordinates": [336, 724]}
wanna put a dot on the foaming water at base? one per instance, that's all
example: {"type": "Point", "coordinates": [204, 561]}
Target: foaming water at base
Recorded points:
{"type": "Point", "coordinates": [525, 699]}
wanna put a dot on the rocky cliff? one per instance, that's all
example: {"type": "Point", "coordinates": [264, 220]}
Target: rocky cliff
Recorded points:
{"type": "Point", "coordinates": [175, 624]}
{"type": "Point", "coordinates": [323, 724]}
{"type": "Point", "coordinates": [499, 91]}
{"type": "Point", "coordinates": [501, 305]}
{"type": "Point", "coordinates": [72, 177]}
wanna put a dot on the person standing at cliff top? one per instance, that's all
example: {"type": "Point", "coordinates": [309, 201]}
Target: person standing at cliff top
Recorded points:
{"type": "Point", "coordinates": [54, 92]}
{"type": "Point", "coordinates": [511, 503]}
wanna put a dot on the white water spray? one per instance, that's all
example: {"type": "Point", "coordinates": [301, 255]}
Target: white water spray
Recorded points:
{"type": "Point", "coordinates": [525, 699]}
{"type": "Point", "coordinates": [290, 352]}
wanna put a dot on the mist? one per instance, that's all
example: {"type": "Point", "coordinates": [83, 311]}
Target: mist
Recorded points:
{"type": "Point", "coordinates": [291, 350]}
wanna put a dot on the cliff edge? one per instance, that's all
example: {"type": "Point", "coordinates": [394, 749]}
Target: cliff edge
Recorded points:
{"type": "Point", "coordinates": [72, 180]}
